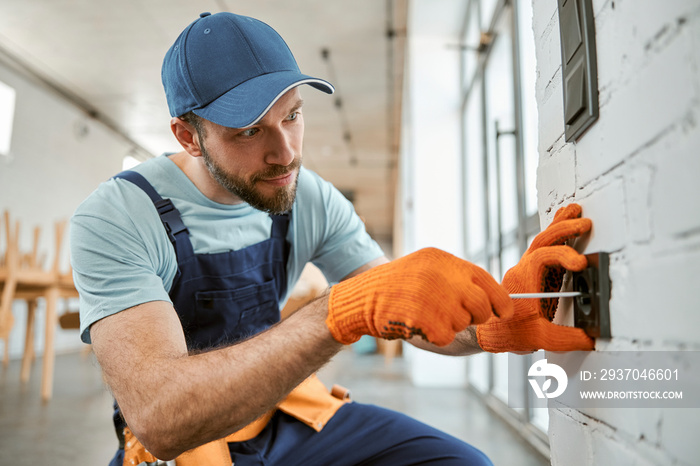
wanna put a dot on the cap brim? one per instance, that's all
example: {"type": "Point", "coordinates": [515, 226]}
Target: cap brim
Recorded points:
{"type": "Point", "coordinates": [247, 103]}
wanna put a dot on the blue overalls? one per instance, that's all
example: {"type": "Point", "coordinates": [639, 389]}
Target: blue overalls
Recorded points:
{"type": "Point", "coordinates": [224, 297]}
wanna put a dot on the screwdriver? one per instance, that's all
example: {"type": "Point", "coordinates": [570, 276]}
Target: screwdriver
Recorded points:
{"type": "Point", "coordinates": [559, 294]}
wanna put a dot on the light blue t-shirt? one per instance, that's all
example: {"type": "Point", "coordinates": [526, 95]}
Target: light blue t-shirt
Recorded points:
{"type": "Point", "coordinates": [122, 257]}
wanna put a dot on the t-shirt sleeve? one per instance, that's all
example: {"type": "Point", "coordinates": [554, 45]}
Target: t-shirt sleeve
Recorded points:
{"type": "Point", "coordinates": [118, 262]}
{"type": "Point", "coordinates": [342, 242]}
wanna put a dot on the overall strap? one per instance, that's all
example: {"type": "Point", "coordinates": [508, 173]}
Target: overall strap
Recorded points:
{"type": "Point", "coordinates": [280, 225]}
{"type": "Point", "coordinates": [169, 215]}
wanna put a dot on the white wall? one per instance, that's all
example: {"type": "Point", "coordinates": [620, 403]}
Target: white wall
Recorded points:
{"type": "Point", "coordinates": [635, 172]}
{"type": "Point", "coordinates": [57, 157]}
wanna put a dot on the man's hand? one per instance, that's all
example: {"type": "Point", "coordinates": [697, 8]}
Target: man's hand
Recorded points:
{"type": "Point", "coordinates": [541, 269]}
{"type": "Point", "coordinates": [429, 293]}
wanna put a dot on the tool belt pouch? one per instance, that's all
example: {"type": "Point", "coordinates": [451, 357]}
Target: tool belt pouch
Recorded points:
{"type": "Point", "coordinates": [312, 403]}
{"type": "Point", "coordinates": [134, 452]}
{"type": "Point", "coordinates": [210, 454]}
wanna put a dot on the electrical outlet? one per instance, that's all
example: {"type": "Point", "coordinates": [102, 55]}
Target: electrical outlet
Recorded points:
{"type": "Point", "coordinates": [592, 308]}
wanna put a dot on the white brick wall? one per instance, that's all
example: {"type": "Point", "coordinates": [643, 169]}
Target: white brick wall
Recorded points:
{"type": "Point", "coordinates": [636, 173]}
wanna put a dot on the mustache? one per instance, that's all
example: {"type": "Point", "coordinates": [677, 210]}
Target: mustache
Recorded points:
{"type": "Point", "coordinates": [277, 170]}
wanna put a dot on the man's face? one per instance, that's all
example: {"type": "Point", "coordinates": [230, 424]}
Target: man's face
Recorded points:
{"type": "Point", "coordinates": [259, 164]}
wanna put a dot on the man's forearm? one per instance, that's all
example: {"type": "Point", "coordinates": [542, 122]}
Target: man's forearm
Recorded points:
{"type": "Point", "coordinates": [179, 402]}
{"type": "Point", "coordinates": [464, 344]}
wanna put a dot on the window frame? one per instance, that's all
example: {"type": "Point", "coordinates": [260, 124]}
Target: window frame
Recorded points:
{"type": "Point", "coordinates": [474, 86]}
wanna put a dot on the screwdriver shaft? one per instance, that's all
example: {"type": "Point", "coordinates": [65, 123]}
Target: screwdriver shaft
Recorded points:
{"type": "Point", "coordinates": [560, 294]}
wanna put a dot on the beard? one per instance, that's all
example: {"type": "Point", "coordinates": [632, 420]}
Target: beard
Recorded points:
{"type": "Point", "coordinates": [279, 202]}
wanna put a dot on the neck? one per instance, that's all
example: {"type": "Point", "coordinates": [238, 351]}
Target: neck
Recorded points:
{"type": "Point", "coordinates": [198, 173]}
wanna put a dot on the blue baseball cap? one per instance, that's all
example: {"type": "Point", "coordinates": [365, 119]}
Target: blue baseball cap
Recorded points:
{"type": "Point", "coordinates": [230, 69]}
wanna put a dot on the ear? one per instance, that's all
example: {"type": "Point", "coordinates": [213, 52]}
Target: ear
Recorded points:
{"type": "Point", "coordinates": [187, 136]}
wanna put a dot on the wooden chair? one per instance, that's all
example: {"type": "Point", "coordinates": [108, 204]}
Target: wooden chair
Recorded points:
{"type": "Point", "coordinates": [23, 277]}
{"type": "Point", "coordinates": [9, 263]}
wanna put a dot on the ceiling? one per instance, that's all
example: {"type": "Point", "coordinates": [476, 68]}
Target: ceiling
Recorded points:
{"type": "Point", "coordinates": [105, 56]}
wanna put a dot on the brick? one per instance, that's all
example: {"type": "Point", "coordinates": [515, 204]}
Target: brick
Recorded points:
{"type": "Point", "coordinates": [633, 424]}
{"type": "Point", "coordinates": [548, 53]}
{"type": "Point", "coordinates": [551, 114]}
{"type": "Point", "coordinates": [652, 297]}
{"type": "Point", "coordinates": [694, 26]}
{"type": "Point", "coordinates": [638, 196]}
{"type": "Point", "coordinates": [639, 112]}
{"type": "Point", "coordinates": [605, 206]}
{"type": "Point", "coordinates": [550, 101]}
{"type": "Point", "coordinates": [678, 437]}
{"type": "Point", "coordinates": [569, 440]}
{"type": "Point", "coordinates": [655, 22]}
{"type": "Point", "coordinates": [556, 178]}
{"type": "Point", "coordinates": [614, 42]}
{"type": "Point", "coordinates": [675, 193]}
{"type": "Point", "coordinates": [611, 450]}
{"type": "Point", "coordinates": [544, 15]}
{"type": "Point", "coordinates": [632, 33]}
{"type": "Point", "coordinates": [606, 437]}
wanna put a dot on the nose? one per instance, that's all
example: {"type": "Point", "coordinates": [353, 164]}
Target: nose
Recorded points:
{"type": "Point", "coordinates": [281, 147]}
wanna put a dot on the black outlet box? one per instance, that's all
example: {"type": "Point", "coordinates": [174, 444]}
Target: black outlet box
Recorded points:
{"type": "Point", "coordinates": [592, 308]}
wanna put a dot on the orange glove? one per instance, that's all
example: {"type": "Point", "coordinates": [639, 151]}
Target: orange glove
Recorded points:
{"type": "Point", "coordinates": [541, 269]}
{"type": "Point", "coordinates": [430, 293]}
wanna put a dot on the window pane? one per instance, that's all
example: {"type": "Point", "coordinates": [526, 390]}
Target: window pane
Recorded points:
{"type": "Point", "coordinates": [481, 263]}
{"type": "Point", "coordinates": [488, 7]}
{"type": "Point", "coordinates": [500, 376]}
{"type": "Point", "coordinates": [478, 370]}
{"type": "Point", "coordinates": [476, 214]}
{"type": "Point", "coordinates": [501, 124]}
{"type": "Point", "coordinates": [493, 217]}
{"type": "Point", "coordinates": [495, 267]}
{"type": "Point", "coordinates": [129, 162]}
{"type": "Point", "coordinates": [7, 112]}
{"type": "Point", "coordinates": [540, 418]}
{"type": "Point", "coordinates": [509, 257]}
{"type": "Point", "coordinates": [471, 39]}
{"type": "Point", "coordinates": [509, 187]}
{"type": "Point", "coordinates": [530, 239]}
{"type": "Point", "coordinates": [528, 71]}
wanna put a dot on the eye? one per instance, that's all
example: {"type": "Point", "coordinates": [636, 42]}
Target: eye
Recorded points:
{"type": "Point", "coordinates": [293, 116]}
{"type": "Point", "coordinates": [249, 132]}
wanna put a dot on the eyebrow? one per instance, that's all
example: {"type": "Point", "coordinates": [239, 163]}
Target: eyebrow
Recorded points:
{"type": "Point", "coordinates": [299, 103]}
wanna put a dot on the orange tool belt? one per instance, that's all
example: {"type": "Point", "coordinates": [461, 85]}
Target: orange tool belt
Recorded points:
{"type": "Point", "coordinates": [310, 403]}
